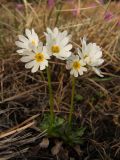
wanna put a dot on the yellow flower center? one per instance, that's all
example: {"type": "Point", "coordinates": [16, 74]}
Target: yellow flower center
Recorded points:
{"type": "Point", "coordinates": [33, 42]}
{"type": "Point", "coordinates": [55, 49]}
{"type": "Point", "coordinates": [39, 57]}
{"type": "Point", "coordinates": [76, 65]}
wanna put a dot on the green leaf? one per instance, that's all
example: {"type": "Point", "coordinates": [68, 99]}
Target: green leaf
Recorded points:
{"type": "Point", "coordinates": [80, 131]}
{"type": "Point", "coordinates": [71, 135]}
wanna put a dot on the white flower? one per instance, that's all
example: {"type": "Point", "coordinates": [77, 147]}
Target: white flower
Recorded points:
{"type": "Point", "coordinates": [92, 56]}
{"type": "Point", "coordinates": [76, 65]}
{"type": "Point", "coordinates": [57, 43]}
{"type": "Point", "coordinates": [36, 59]}
{"type": "Point", "coordinates": [27, 42]}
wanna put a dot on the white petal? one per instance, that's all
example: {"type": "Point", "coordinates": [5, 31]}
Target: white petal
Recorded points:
{"type": "Point", "coordinates": [84, 69]}
{"type": "Point", "coordinates": [27, 53]}
{"type": "Point", "coordinates": [35, 67]}
{"type": "Point", "coordinates": [80, 53]}
{"type": "Point", "coordinates": [64, 42]}
{"type": "Point", "coordinates": [46, 55]}
{"type": "Point", "coordinates": [98, 54]}
{"type": "Point", "coordinates": [68, 65]}
{"type": "Point", "coordinates": [45, 34]}
{"type": "Point", "coordinates": [96, 62]}
{"type": "Point", "coordinates": [62, 35]}
{"type": "Point", "coordinates": [97, 71]}
{"type": "Point", "coordinates": [55, 31]}
{"type": "Point", "coordinates": [82, 62]}
{"type": "Point", "coordinates": [75, 73]}
{"type": "Point", "coordinates": [72, 72]}
{"type": "Point", "coordinates": [100, 62]}
{"type": "Point", "coordinates": [42, 67]}
{"type": "Point", "coordinates": [61, 58]}
{"type": "Point", "coordinates": [20, 44]}
{"type": "Point", "coordinates": [27, 58]}
{"type": "Point", "coordinates": [40, 46]}
{"type": "Point", "coordinates": [30, 64]}
{"type": "Point", "coordinates": [35, 36]}
{"type": "Point", "coordinates": [76, 57]}
{"type": "Point", "coordinates": [20, 51]}
{"type": "Point", "coordinates": [68, 47]}
{"type": "Point", "coordinates": [49, 30]}
{"type": "Point", "coordinates": [64, 54]}
{"type": "Point", "coordinates": [23, 38]}
{"type": "Point", "coordinates": [80, 72]}
{"type": "Point", "coordinates": [28, 33]}
{"type": "Point", "coordinates": [32, 47]}
{"type": "Point", "coordinates": [83, 41]}
{"type": "Point", "coordinates": [45, 63]}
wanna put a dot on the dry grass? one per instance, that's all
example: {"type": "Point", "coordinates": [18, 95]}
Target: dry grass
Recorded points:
{"type": "Point", "coordinates": [24, 96]}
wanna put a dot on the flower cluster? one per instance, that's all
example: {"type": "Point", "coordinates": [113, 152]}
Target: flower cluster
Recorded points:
{"type": "Point", "coordinates": [36, 55]}
{"type": "Point", "coordinates": [90, 56]}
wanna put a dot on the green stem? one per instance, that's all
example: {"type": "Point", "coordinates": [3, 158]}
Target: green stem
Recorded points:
{"type": "Point", "coordinates": [72, 100]}
{"type": "Point", "coordinates": [51, 100]}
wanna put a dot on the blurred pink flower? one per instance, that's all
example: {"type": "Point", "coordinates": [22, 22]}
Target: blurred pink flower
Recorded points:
{"type": "Point", "coordinates": [118, 23]}
{"type": "Point", "coordinates": [51, 3]}
{"type": "Point", "coordinates": [19, 6]}
{"type": "Point", "coordinates": [108, 16]}
{"type": "Point", "coordinates": [101, 1]}
{"type": "Point", "coordinates": [76, 11]}
{"type": "Point", "coordinates": [93, 5]}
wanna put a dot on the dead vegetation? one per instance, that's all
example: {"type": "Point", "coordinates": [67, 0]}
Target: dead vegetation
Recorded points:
{"type": "Point", "coordinates": [24, 96]}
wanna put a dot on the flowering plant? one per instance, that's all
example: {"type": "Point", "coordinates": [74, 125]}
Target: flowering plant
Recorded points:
{"type": "Point", "coordinates": [36, 56]}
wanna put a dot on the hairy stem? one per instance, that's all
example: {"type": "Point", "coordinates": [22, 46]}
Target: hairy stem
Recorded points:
{"type": "Point", "coordinates": [72, 100]}
{"type": "Point", "coordinates": [51, 100]}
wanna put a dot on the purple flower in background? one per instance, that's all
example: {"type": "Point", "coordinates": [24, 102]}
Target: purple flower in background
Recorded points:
{"type": "Point", "coordinates": [76, 11]}
{"type": "Point", "coordinates": [51, 3]}
{"type": "Point", "coordinates": [93, 5]}
{"type": "Point", "coordinates": [118, 23]}
{"type": "Point", "coordinates": [19, 6]}
{"type": "Point", "coordinates": [101, 1]}
{"type": "Point", "coordinates": [108, 16]}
